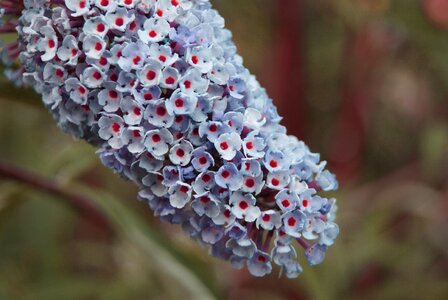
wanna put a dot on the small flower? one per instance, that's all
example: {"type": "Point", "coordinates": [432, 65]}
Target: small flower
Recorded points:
{"type": "Point", "coordinates": [193, 83]}
{"type": "Point", "coordinates": [147, 94]}
{"type": "Point", "coordinates": [236, 87]}
{"type": "Point", "coordinates": [253, 146]}
{"type": "Point", "coordinates": [180, 154]}
{"type": "Point", "coordinates": [228, 144]}
{"type": "Point", "coordinates": [276, 161]}
{"type": "Point", "coordinates": [202, 160]}
{"type": "Point", "coordinates": [157, 141]}
{"type": "Point", "coordinates": [163, 54]}
{"type": "Point", "coordinates": [242, 247]}
{"type": "Point", "coordinates": [327, 181]}
{"type": "Point", "coordinates": [151, 73]}
{"type": "Point", "coordinates": [133, 137]}
{"type": "Point", "coordinates": [78, 7]}
{"type": "Point", "coordinates": [254, 119]}
{"type": "Point", "coordinates": [211, 234]}
{"type": "Point", "coordinates": [181, 104]}
{"type": "Point", "coordinates": [294, 222]}
{"type": "Point", "coordinates": [111, 128]}
{"type": "Point", "coordinates": [149, 162]}
{"type": "Point", "coordinates": [154, 30]}
{"type": "Point", "coordinates": [200, 58]}
{"type": "Point", "coordinates": [157, 114]}
{"type": "Point", "coordinates": [219, 74]}
{"type": "Point", "coordinates": [243, 206]}
{"type": "Point", "coordinates": [204, 182]}
{"type": "Point", "coordinates": [93, 46]}
{"type": "Point", "coordinates": [212, 130]}
{"type": "Point", "coordinates": [268, 220]}
{"type": "Point", "coordinates": [78, 92]}
{"type": "Point", "coordinates": [133, 56]}
{"type": "Point", "coordinates": [92, 77]}
{"type": "Point", "coordinates": [154, 182]}
{"type": "Point", "coordinates": [109, 99]}
{"type": "Point", "coordinates": [206, 204]}
{"type": "Point", "coordinates": [106, 5]}
{"type": "Point", "coordinates": [315, 254]}
{"type": "Point", "coordinates": [260, 264]}
{"type": "Point", "coordinates": [170, 78]}
{"type": "Point", "coordinates": [54, 74]}
{"type": "Point", "coordinates": [278, 181]}
{"type": "Point", "coordinates": [229, 177]}
{"type": "Point", "coordinates": [250, 168]}
{"type": "Point", "coordinates": [132, 111]}
{"type": "Point", "coordinates": [96, 26]}
{"type": "Point", "coordinates": [286, 200]}
{"type": "Point", "coordinates": [69, 52]}
{"type": "Point", "coordinates": [127, 3]}
{"type": "Point", "coordinates": [119, 19]}
{"type": "Point", "coordinates": [48, 43]}
{"type": "Point", "coordinates": [180, 194]}
{"type": "Point", "coordinates": [329, 234]}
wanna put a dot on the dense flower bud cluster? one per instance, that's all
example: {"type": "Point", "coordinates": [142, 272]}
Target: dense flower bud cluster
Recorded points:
{"type": "Point", "coordinates": [158, 86]}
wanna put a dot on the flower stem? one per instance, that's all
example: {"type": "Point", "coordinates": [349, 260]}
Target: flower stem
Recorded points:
{"type": "Point", "coordinates": [82, 204]}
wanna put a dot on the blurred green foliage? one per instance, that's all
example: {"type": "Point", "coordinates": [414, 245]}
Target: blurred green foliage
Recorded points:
{"type": "Point", "coordinates": [393, 242]}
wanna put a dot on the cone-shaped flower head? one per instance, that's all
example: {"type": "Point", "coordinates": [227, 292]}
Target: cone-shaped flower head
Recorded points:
{"type": "Point", "coordinates": [158, 87]}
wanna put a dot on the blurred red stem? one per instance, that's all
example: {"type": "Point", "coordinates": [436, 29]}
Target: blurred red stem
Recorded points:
{"type": "Point", "coordinates": [364, 52]}
{"type": "Point", "coordinates": [285, 76]}
{"type": "Point", "coordinates": [82, 204]}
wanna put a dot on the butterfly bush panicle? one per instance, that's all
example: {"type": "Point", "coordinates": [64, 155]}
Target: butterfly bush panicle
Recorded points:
{"type": "Point", "coordinates": [158, 87]}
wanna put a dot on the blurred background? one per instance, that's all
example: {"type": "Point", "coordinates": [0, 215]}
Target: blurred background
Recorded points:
{"type": "Point", "coordinates": [363, 82]}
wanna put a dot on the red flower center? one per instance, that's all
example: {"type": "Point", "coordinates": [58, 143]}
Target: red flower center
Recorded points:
{"type": "Point", "coordinates": [150, 75]}
{"type": "Point", "coordinates": [51, 44]}
{"type": "Point", "coordinates": [116, 127]}
{"type": "Point", "coordinates": [119, 21]}
{"type": "Point", "coordinates": [213, 128]}
{"type": "Point", "coordinates": [161, 111]}
{"type": "Point", "coordinates": [286, 203]}
{"type": "Point", "coordinates": [96, 75]}
{"type": "Point", "coordinates": [202, 160]}
{"type": "Point", "coordinates": [291, 221]}
{"type": "Point", "coordinates": [100, 27]}
{"type": "Point", "coordinates": [206, 178]}
{"type": "Point", "coordinates": [224, 146]}
{"type": "Point", "coordinates": [179, 102]}
{"type": "Point", "coordinates": [113, 94]}
{"type": "Point", "coordinates": [243, 205]}
{"type": "Point", "coordinates": [170, 80]}
{"type": "Point", "coordinates": [180, 152]}
{"type": "Point", "coordinates": [156, 138]}
{"type": "Point", "coordinates": [148, 96]}
{"type": "Point", "coordinates": [225, 174]}
{"type": "Point", "coordinates": [137, 111]}
{"type": "Point", "coordinates": [205, 200]}
{"type": "Point", "coordinates": [249, 182]}
{"type": "Point", "coordinates": [152, 34]}
{"type": "Point", "coordinates": [136, 60]}
{"type": "Point", "coordinates": [183, 189]}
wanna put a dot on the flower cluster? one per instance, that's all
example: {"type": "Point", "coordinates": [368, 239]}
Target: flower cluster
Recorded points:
{"type": "Point", "coordinates": [158, 86]}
